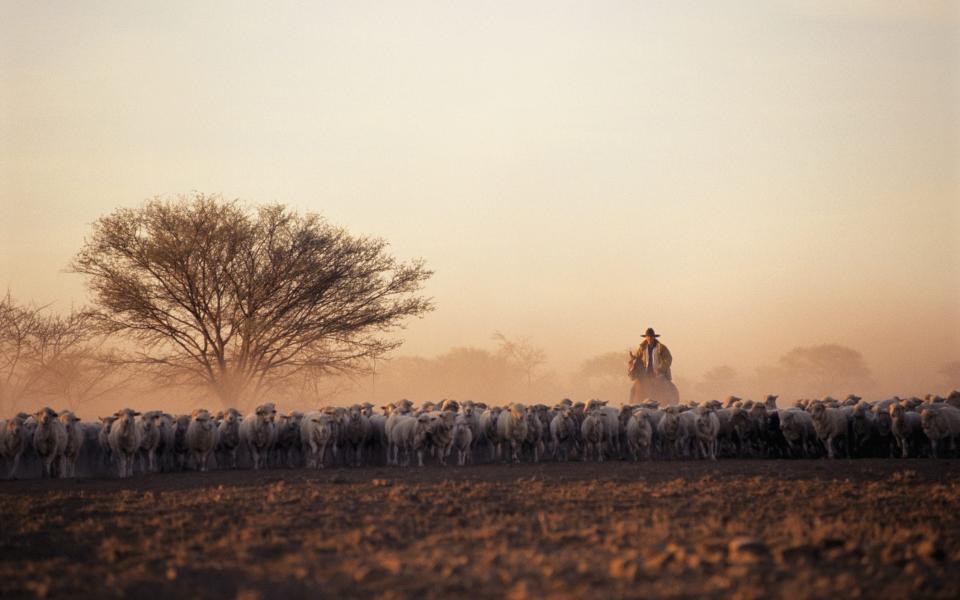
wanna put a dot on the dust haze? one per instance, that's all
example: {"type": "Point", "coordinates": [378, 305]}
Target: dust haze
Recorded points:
{"type": "Point", "coordinates": [774, 189]}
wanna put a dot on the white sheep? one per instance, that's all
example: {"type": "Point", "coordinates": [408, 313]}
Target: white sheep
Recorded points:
{"type": "Point", "coordinates": [831, 424]}
{"type": "Point", "coordinates": [707, 428]}
{"type": "Point", "coordinates": [103, 440]}
{"type": "Point", "coordinates": [376, 433]}
{"type": "Point", "coordinates": [592, 431]}
{"type": "Point", "coordinates": [49, 441]}
{"type": "Point", "coordinates": [228, 435]}
{"type": "Point", "coordinates": [201, 438]}
{"type": "Point", "coordinates": [287, 446]}
{"type": "Point", "coordinates": [125, 440]}
{"type": "Point", "coordinates": [534, 438]}
{"type": "Point", "coordinates": [611, 429]}
{"type": "Point", "coordinates": [797, 428]}
{"type": "Point", "coordinates": [639, 434]}
{"type": "Point", "coordinates": [148, 425]}
{"type": "Point", "coordinates": [396, 440]}
{"type": "Point", "coordinates": [258, 433]}
{"type": "Point", "coordinates": [356, 428]}
{"type": "Point", "coordinates": [562, 433]}
{"type": "Point", "coordinates": [13, 441]}
{"type": "Point", "coordinates": [440, 436]}
{"type": "Point", "coordinates": [512, 430]}
{"type": "Point", "coordinates": [177, 437]}
{"type": "Point", "coordinates": [686, 441]}
{"type": "Point", "coordinates": [421, 434]}
{"type": "Point", "coordinates": [400, 433]}
{"type": "Point", "coordinates": [462, 435]}
{"type": "Point", "coordinates": [907, 428]}
{"type": "Point", "coordinates": [71, 451]}
{"type": "Point", "coordinates": [488, 430]}
{"type": "Point", "coordinates": [941, 423]}
{"type": "Point", "coordinates": [317, 433]}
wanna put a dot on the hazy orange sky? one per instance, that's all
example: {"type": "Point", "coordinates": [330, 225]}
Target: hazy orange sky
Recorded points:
{"type": "Point", "coordinates": [744, 177]}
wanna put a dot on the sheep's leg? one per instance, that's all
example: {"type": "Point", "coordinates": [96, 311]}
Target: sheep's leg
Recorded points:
{"type": "Point", "coordinates": [13, 467]}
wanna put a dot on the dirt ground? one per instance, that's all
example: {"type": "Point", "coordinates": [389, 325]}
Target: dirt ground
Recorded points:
{"type": "Point", "coordinates": [793, 529]}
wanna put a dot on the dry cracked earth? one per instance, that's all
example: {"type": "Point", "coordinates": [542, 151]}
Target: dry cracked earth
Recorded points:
{"type": "Point", "coordinates": [745, 529]}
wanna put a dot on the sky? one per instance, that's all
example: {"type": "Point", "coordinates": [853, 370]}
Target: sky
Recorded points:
{"type": "Point", "coordinates": [744, 177]}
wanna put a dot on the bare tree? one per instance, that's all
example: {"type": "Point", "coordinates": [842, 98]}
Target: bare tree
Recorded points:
{"type": "Point", "coordinates": [607, 365]}
{"type": "Point", "coordinates": [718, 381]}
{"type": "Point", "coordinates": [34, 345]}
{"type": "Point", "coordinates": [522, 353]}
{"type": "Point", "coordinates": [85, 374]}
{"type": "Point", "coordinates": [18, 325]}
{"type": "Point", "coordinates": [241, 298]}
{"type": "Point", "coordinates": [817, 370]}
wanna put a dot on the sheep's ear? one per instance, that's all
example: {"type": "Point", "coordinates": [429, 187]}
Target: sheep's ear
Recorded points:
{"type": "Point", "coordinates": [136, 414]}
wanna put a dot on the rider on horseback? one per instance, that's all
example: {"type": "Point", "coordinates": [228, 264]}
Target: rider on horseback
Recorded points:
{"type": "Point", "coordinates": [651, 358]}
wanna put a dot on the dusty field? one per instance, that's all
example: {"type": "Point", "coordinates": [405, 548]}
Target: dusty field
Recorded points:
{"type": "Point", "coordinates": [796, 529]}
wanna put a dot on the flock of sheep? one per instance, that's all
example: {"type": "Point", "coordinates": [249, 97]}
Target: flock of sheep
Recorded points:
{"type": "Point", "coordinates": [472, 432]}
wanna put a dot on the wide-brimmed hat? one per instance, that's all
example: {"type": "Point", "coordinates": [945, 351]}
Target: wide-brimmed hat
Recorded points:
{"type": "Point", "coordinates": [650, 331]}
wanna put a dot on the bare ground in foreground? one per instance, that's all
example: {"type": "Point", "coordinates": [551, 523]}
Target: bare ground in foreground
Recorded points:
{"type": "Point", "coordinates": [797, 529]}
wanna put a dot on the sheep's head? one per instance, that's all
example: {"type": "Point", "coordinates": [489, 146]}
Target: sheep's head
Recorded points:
{"type": "Point", "coordinates": [150, 420]}
{"type": "Point", "coordinates": [932, 422]}
{"type": "Point", "coordinates": [448, 417]}
{"type": "Point", "coordinates": [266, 413]}
{"type": "Point", "coordinates": [730, 401]}
{"type": "Point", "coordinates": [425, 421]}
{"type": "Point", "coordinates": [126, 418]}
{"type": "Point", "coordinates": [817, 409]}
{"type": "Point", "coordinates": [953, 399]}
{"type": "Point", "coordinates": [705, 421]}
{"type": "Point", "coordinates": [202, 416]}
{"type": "Point", "coordinates": [45, 415]}
{"type": "Point", "coordinates": [68, 418]}
{"type": "Point", "coordinates": [670, 422]}
{"type": "Point", "coordinates": [518, 410]}
{"type": "Point", "coordinates": [14, 427]}
{"type": "Point", "coordinates": [895, 410]}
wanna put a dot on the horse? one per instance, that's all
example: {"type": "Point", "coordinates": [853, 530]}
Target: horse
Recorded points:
{"type": "Point", "coordinates": [649, 386]}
